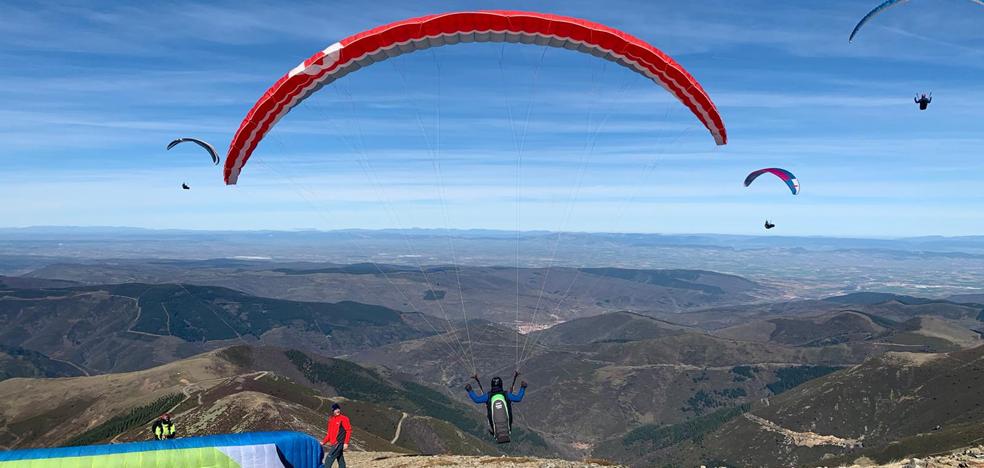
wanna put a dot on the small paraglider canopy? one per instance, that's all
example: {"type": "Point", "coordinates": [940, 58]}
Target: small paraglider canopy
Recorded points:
{"type": "Point", "coordinates": [871, 14]}
{"type": "Point", "coordinates": [202, 143]}
{"type": "Point", "coordinates": [782, 174]}
{"type": "Point", "coordinates": [881, 8]}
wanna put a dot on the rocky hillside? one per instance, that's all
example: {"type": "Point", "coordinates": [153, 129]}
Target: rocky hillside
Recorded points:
{"type": "Point", "coordinates": [114, 328]}
{"type": "Point", "coordinates": [237, 390]}
{"type": "Point", "coordinates": [924, 333]}
{"type": "Point", "coordinates": [489, 293]}
{"type": "Point", "coordinates": [639, 371]}
{"type": "Point", "coordinates": [960, 458]}
{"type": "Point", "coordinates": [894, 307]}
{"type": "Point", "coordinates": [19, 362]}
{"type": "Point", "coordinates": [891, 407]}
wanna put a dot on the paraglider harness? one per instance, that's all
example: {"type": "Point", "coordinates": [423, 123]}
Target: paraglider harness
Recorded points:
{"type": "Point", "coordinates": [498, 410]}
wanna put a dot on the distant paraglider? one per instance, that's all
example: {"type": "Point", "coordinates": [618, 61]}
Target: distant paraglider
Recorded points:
{"type": "Point", "coordinates": [185, 186]}
{"type": "Point", "coordinates": [880, 8]}
{"type": "Point", "coordinates": [202, 143]}
{"type": "Point", "coordinates": [923, 100]}
{"type": "Point", "coordinates": [791, 181]}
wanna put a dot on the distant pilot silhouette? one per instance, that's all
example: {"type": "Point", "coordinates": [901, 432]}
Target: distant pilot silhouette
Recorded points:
{"type": "Point", "coordinates": [923, 100]}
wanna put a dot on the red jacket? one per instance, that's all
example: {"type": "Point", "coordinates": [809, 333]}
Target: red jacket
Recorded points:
{"type": "Point", "coordinates": [338, 427]}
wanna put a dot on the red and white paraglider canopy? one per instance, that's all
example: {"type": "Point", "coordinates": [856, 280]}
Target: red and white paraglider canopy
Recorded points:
{"type": "Point", "coordinates": [414, 34]}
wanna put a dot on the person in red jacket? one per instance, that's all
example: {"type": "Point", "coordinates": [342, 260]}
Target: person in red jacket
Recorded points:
{"type": "Point", "coordinates": [338, 436]}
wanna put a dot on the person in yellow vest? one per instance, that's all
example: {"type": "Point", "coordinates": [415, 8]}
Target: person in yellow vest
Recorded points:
{"type": "Point", "coordinates": [163, 428]}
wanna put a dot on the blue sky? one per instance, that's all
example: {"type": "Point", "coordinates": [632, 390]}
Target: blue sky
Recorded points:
{"type": "Point", "coordinates": [91, 93]}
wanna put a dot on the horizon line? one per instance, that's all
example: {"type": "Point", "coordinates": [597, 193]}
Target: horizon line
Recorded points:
{"type": "Point", "coordinates": [465, 230]}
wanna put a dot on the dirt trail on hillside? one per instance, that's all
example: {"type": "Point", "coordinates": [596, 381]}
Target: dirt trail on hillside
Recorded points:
{"type": "Point", "coordinates": [805, 439]}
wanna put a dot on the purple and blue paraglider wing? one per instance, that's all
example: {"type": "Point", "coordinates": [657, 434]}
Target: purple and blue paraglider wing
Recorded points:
{"type": "Point", "coordinates": [782, 174]}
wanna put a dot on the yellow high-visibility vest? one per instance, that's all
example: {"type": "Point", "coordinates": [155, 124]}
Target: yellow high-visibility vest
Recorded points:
{"type": "Point", "coordinates": [164, 429]}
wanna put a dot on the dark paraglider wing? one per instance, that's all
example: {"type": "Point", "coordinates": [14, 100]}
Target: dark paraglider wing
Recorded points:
{"type": "Point", "coordinates": [202, 143]}
{"type": "Point", "coordinates": [387, 41]}
{"type": "Point", "coordinates": [871, 14]}
{"type": "Point", "coordinates": [881, 8]}
{"type": "Point", "coordinates": [791, 181]}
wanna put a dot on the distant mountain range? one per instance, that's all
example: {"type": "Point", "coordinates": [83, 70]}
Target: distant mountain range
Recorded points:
{"type": "Point", "coordinates": [804, 266]}
{"type": "Point", "coordinates": [544, 295]}
{"type": "Point", "coordinates": [967, 244]}
{"type": "Point", "coordinates": [72, 239]}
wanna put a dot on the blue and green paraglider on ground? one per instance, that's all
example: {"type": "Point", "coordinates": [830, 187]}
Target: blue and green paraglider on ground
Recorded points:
{"type": "Point", "coordinates": [250, 450]}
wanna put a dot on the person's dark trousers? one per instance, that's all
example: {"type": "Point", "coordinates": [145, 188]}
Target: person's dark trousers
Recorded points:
{"type": "Point", "coordinates": [335, 454]}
